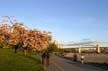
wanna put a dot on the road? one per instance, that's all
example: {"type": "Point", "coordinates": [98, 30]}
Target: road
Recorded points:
{"type": "Point", "coordinates": [61, 64]}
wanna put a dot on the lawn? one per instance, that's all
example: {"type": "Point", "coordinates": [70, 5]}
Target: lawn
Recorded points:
{"type": "Point", "coordinates": [18, 62]}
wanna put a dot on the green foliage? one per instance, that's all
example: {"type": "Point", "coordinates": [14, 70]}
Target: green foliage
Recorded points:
{"type": "Point", "coordinates": [52, 48]}
{"type": "Point", "coordinates": [17, 62]}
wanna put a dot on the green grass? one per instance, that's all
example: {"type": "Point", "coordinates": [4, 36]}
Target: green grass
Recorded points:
{"type": "Point", "coordinates": [18, 62]}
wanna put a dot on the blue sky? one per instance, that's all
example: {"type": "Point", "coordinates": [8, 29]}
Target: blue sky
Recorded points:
{"type": "Point", "coordinates": [68, 20]}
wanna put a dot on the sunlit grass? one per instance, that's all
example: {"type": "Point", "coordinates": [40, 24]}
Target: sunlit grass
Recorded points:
{"type": "Point", "coordinates": [18, 62]}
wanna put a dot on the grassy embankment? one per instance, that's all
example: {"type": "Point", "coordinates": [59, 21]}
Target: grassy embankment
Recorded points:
{"type": "Point", "coordinates": [18, 62]}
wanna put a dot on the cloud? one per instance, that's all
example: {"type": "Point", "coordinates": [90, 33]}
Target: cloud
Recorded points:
{"type": "Point", "coordinates": [88, 41]}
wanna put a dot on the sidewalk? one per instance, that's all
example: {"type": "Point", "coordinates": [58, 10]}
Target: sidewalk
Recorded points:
{"type": "Point", "coordinates": [61, 64]}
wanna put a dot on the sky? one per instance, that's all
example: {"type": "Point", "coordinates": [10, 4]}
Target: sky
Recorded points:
{"type": "Point", "coordinates": [68, 20]}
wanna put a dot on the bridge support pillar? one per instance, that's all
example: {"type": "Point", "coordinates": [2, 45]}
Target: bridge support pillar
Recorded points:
{"type": "Point", "coordinates": [79, 50]}
{"type": "Point", "coordinates": [98, 49]}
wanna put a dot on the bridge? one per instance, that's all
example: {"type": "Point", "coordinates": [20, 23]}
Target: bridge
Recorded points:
{"type": "Point", "coordinates": [85, 44]}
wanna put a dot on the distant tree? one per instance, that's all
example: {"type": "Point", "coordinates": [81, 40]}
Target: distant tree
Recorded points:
{"type": "Point", "coordinates": [52, 47]}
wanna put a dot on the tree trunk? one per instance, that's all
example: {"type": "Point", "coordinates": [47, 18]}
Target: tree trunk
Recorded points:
{"type": "Point", "coordinates": [25, 52]}
{"type": "Point", "coordinates": [15, 50]}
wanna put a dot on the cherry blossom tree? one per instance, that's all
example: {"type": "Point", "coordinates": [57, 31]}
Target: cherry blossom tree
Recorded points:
{"type": "Point", "coordinates": [17, 35]}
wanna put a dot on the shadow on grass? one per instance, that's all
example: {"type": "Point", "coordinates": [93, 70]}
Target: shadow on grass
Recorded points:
{"type": "Point", "coordinates": [37, 60]}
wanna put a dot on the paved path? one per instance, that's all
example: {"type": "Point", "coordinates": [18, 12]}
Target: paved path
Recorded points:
{"type": "Point", "coordinates": [61, 64]}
